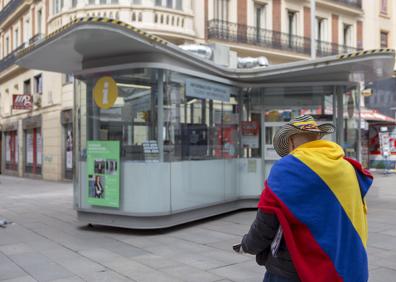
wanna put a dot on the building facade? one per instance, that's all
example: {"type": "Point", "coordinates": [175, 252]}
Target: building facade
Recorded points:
{"type": "Point", "coordinates": [37, 142]}
{"type": "Point", "coordinates": [380, 22]}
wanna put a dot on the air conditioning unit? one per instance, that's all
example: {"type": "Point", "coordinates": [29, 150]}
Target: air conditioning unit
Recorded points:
{"type": "Point", "coordinates": [37, 100]}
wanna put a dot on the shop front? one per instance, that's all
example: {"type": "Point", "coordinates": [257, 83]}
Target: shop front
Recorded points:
{"type": "Point", "coordinates": [10, 147]}
{"type": "Point", "coordinates": [33, 147]}
{"type": "Point", "coordinates": [163, 137]}
{"type": "Point", "coordinates": [67, 133]}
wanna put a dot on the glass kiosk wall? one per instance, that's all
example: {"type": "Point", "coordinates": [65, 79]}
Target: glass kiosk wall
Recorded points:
{"type": "Point", "coordinates": [178, 138]}
{"type": "Point", "coordinates": [170, 142]}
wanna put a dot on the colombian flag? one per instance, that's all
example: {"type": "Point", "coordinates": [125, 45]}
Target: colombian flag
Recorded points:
{"type": "Point", "coordinates": [318, 196]}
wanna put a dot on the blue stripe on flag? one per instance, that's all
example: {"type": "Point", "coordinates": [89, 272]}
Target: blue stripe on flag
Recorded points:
{"type": "Point", "coordinates": [314, 204]}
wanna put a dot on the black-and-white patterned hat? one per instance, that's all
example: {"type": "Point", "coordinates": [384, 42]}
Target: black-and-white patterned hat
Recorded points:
{"type": "Point", "coordinates": [298, 125]}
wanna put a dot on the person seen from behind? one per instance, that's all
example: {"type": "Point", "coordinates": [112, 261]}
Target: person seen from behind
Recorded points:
{"type": "Point", "coordinates": [311, 224]}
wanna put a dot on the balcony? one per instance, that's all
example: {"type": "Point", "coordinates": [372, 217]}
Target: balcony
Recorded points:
{"type": "Point", "coordinates": [353, 3]}
{"type": "Point", "coordinates": [35, 38]}
{"type": "Point", "coordinates": [10, 59]}
{"type": "Point", "coordinates": [232, 32]}
{"type": "Point", "coordinates": [9, 9]}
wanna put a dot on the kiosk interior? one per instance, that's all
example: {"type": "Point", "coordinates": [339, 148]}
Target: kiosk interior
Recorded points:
{"type": "Point", "coordinates": [164, 137]}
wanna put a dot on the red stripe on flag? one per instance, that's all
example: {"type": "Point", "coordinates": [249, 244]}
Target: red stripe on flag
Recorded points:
{"type": "Point", "coordinates": [359, 167]}
{"type": "Point", "coordinates": [311, 262]}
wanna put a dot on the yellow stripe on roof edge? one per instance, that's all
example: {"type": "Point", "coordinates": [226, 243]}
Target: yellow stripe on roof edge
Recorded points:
{"type": "Point", "coordinates": [365, 52]}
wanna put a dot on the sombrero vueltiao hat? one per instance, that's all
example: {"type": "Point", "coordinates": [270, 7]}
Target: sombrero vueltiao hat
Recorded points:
{"type": "Point", "coordinates": [302, 124]}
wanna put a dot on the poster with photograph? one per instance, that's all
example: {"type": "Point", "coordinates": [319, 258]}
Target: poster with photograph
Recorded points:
{"type": "Point", "coordinates": [69, 149]}
{"type": "Point", "coordinates": [103, 161]}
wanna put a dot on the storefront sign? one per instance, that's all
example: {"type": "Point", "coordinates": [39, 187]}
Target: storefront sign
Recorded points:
{"type": "Point", "coordinates": [105, 92]}
{"type": "Point", "coordinates": [384, 143]}
{"type": "Point", "coordinates": [250, 134]}
{"type": "Point", "coordinates": [103, 167]}
{"type": "Point", "coordinates": [207, 90]}
{"type": "Point", "coordinates": [22, 102]}
{"type": "Point", "coordinates": [226, 118]}
{"type": "Point", "coordinates": [250, 128]}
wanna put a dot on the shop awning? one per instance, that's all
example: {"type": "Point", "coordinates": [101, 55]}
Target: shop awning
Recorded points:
{"type": "Point", "coordinates": [373, 115]}
{"type": "Point", "coordinates": [97, 42]}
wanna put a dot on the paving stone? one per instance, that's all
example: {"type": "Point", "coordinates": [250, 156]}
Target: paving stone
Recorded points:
{"type": "Point", "coordinates": [138, 271]}
{"type": "Point", "coordinates": [382, 275]}
{"type": "Point", "coordinates": [47, 243]}
{"type": "Point", "coordinates": [241, 272]}
{"type": "Point", "coordinates": [14, 249]}
{"type": "Point", "coordinates": [21, 279]}
{"type": "Point", "coordinates": [191, 274]}
{"type": "Point", "coordinates": [8, 269]}
{"type": "Point", "coordinates": [39, 267]}
{"type": "Point", "coordinates": [156, 262]}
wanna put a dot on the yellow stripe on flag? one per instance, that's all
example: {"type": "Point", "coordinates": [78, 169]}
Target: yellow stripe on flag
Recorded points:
{"type": "Point", "coordinates": [325, 158]}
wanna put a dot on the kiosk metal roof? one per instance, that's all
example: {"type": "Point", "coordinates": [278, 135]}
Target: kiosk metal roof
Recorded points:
{"type": "Point", "coordinates": [87, 43]}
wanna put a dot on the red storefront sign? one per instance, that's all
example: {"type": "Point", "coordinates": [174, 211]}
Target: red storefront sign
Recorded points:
{"type": "Point", "coordinates": [22, 102]}
{"type": "Point", "coordinates": [250, 128]}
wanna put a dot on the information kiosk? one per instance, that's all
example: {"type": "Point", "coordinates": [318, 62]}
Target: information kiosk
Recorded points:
{"type": "Point", "coordinates": [164, 137]}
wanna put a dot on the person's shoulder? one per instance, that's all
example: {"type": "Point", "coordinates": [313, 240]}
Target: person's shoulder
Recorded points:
{"type": "Point", "coordinates": [282, 165]}
{"type": "Point", "coordinates": [284, 161]}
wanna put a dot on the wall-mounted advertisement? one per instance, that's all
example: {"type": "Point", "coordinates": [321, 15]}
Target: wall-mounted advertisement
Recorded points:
{"type": "Point", "coordinates": [69, 148]}
{"type": "Point", "coordinates": [250, 134]}
{"type": "Point", "coordinates": [103, 168]}
{"type": "Point", "coordinates": [22, 102]}
{"type": "Point", "coordinates": [204, 89]}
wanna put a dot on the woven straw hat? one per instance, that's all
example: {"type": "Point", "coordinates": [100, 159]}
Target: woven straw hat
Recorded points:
{"type": "Point", "coordinates": [302, 124]}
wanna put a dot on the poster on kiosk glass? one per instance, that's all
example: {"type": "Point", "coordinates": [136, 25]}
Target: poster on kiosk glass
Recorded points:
{"type": "Point", "coordinates": [103, 168]}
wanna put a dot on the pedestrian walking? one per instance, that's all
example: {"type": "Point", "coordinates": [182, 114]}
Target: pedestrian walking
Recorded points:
{"type": "Point", "coordinates": [311, 224]}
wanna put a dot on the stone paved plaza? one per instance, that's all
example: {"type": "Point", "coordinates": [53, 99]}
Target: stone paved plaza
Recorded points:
{"type": "Point", "coordinates": [47, 243]}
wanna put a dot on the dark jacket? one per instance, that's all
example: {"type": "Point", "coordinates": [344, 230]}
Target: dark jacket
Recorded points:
{"type": "Point", "coordinates": [258, 242]}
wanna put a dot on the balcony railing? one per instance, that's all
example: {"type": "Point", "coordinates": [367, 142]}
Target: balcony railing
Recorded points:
{"type": "Point", "coordinates": [36, 38]}
{"type": "Point", "coordinates": [353, 3]}
{"type": "Point", "coordinates": [232, 32]}
{"type": "Point", "coordinates": [10, 59]}
{"type": "Point", "coordinates": [9, 8]}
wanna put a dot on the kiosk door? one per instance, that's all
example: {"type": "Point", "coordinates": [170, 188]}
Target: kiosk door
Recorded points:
{"type": "Point", "coordinates": [269, 154]}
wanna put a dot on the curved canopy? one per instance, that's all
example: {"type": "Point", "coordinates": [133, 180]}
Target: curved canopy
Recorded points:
{"type": "Point", "coordinates": [97, 42]}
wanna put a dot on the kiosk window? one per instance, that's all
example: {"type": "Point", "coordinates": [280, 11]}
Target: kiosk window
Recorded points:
{"type": "Point", "coordinates": [132, 118]}
{"type": "Point", "coordinates": [199, 118]}
{"type": "Point", "coordinates": [199, 124]}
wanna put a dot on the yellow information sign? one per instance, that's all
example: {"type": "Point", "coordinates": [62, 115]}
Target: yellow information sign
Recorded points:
{"type": "Point", "coordinates": [105, 92]}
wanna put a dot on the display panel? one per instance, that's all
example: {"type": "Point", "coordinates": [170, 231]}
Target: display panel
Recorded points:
{"type": "Point", "coordinates": [103, 173]}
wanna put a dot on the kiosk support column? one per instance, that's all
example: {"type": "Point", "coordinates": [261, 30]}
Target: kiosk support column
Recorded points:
{"type": "Point", "coordinates": [160, 113]}
{"type": "Point", "coordinates": [340, 116]}
{"type": "Point", "coordinates": [359, 137]}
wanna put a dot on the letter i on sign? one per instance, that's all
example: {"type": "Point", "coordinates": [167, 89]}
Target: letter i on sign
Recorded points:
{"type": "Point", "coordinates": [105, 94]}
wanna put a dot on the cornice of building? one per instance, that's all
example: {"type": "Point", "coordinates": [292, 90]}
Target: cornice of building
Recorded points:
{"type": "Point", "coordinates": [11, 72]}
{"type": "Point", "coordinates": [12, 12]}
{"type": "Point", "coordinates": [338, 6]}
